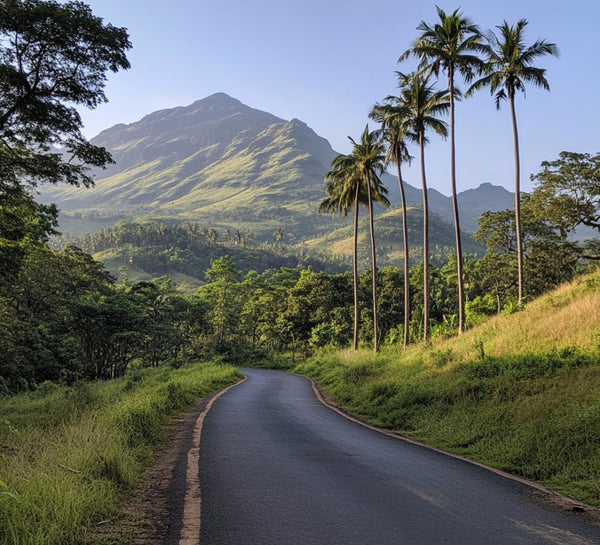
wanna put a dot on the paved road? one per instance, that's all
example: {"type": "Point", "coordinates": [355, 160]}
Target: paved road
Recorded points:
{"type": "Point", "coordinates": [278, 467]}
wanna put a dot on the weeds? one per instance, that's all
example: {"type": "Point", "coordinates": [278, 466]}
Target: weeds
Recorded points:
{"type": "Point", "coordinates": [67, 455]}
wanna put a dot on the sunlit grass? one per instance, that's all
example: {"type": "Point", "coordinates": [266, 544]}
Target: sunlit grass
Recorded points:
{"type": "Point", "coordinates": [67, 455]}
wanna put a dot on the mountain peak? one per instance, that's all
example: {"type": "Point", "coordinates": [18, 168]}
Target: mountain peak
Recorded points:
{"type": "Point", "coordinates": [216, 99]}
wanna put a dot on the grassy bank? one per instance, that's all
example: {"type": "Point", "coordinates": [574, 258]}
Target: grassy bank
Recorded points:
{"type": "Point", "coordinates": [520, 392]}
{"type": "Point", "coordinates": [69, 455]}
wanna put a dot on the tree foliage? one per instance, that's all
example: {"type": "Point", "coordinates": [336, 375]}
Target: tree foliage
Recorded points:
{"type": "Point", "coordinates": [53, 57]}
{"type": "Point", "coordinates": [568, 191]}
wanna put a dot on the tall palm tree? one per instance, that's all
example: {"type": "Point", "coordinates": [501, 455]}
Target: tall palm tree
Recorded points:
{"type": "Point", "coordinates": [391, 115]}
{"type": "Point", "coordinates": [344, 192]}
{"type": "Point", "coordinates": [422, 104]}
{"type": "Point", "coordinates": [369, 161]}
{"type": "Point", "coordinates": [451, 46]}
{"type": "Point", "coordinates": [507, 70]}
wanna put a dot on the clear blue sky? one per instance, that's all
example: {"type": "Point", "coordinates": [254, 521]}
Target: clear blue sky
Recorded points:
{"type": "Point", "coordinates": [327, 62]}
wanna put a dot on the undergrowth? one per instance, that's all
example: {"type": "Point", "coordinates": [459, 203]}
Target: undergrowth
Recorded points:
{"type": "Point", "coordinates": [68, 455]}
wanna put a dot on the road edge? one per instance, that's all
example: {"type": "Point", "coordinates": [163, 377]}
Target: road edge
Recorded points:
{"type": "Point", "coordinates": [555, 498]}
{"type": "Point", "coordinates": [192, 507]}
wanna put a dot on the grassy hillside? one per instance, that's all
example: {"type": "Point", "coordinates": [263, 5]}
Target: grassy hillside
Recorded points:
{"type": "Point", "coordinates": [520, 392]}
{"type": "Point", "coordinates": [68, 456]}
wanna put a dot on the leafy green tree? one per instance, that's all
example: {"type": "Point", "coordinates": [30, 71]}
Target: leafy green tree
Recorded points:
{"type": "Point", "coordinates": [110, 329]}
{"type": "Point", "coordinates": [221, 293]}
{"type": "Point", "coordinates": [313, 301]}
{"type": "Point", "coordinates": [568, 191]}
{"type": "Point", "coordinates": [509, 69]}
{"type": "Point", "coordinates": [451, 46]}
{"type": "Point", "coordinates": [422, 104]}
{"type": "Point", "coordinates": [391, 114]}
{"type": "Point", "coordinates": [23, 224]}
{"type": "Point", "coordinates": [163, 312]}
{"type": "Point", "coordinates": [37, 309]}
{"type": "Point", "coordinates": [550, 258]}
{"type": "Point", "coordinates": [53, 57]}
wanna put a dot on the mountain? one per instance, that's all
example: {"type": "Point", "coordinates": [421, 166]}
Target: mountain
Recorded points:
{"type": "Point", "coordinates": [224, 164]}
{"type": "Point", "coordinates": [486, 198]}
{"type": "Point", "coordinates": [216, 160]}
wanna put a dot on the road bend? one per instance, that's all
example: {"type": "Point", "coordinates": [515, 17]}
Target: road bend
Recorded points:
{"type": "Point", "coordinates": [277, 467]}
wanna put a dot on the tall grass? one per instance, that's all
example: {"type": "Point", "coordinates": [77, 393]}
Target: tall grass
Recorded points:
{"type": "Point", "coordinates": [520, 392]}
{"type": "Point", "coordinates": [67, 455]}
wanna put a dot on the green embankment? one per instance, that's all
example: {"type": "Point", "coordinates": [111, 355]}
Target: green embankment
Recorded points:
{"type": "Point", "coordinates": [68, 456]}
{"type": "Point", "coordinates": [520, 392]}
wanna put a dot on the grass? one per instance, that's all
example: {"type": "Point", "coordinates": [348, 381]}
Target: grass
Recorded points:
{"type": "Point", "coordinates": [68, 456]}
{"type": "Point", "coordinates": [520, 392]}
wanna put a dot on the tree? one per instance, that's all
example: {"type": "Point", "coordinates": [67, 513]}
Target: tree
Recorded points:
{"type": "Point", "coordinates": [222, 294]}
{"type": "Point", "coordinates": [344, 192]}
{"type": "Point", "coordinates": [354, 180]}
{"type": "Point", "coordinates": [450, 46]}
{"type": "Point", "coordinates": [549, 257]}
{"type": "Point", "coordinates": [422, 104]}
{"type": "Point", "coordinates": [392, 115]}
{"type": "Point", "coordinates": [568, 190]}
{"type": "Point", "coordinates": [368, 156]}
{"type": "Point", "coordinates": [508, 69]}
{"type": "Point", "coordinates": [23, 224]}
{"type": "Point", "coordinates": [53, 56]}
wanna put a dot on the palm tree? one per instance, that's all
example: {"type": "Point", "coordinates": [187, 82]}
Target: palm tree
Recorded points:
{"type": "Point", "coordinates": [507, 70]}
{"type": "Point", "coordinates": [391, 115]}
{"type": "Point", "coordinates": [422, 105]}
{"type": "Point", "coordinates": [450, 46]}
{"type": "Point", "coordinates": [369, 162]}
{"type": "Point", "coordinates": [344, 192]}
{"type": "Point", "coordinates": [353, 181]}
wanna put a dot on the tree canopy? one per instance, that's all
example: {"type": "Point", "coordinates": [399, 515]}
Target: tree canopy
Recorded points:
{"type": "Point", "coordinates": [53, 57]}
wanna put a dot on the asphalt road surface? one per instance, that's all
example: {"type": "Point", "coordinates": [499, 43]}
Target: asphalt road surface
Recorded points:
{"type": "Point", "coordinates": [278, 467]}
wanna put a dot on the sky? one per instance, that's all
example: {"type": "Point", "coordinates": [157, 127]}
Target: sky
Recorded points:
{"type": "Point", "coordinates": [327, 62]}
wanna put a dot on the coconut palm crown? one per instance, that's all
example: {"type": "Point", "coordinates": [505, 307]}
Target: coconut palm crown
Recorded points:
{"type": "Point", "coordinates": [508, 67]}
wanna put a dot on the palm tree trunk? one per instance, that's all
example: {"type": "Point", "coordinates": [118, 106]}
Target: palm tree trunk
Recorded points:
{"type": "Point", "coordinates": [373, 267]}
{"type": "Point", "coordinates": [459, 260]}
{"type": "Point", "coordinates": [425, 243]}
{"type": "Point", "coordinates": [520, 273]}
{"type": "Point", "coordinates": [405, 251]}
{"type": "Point", "coordinates": [355, 270]}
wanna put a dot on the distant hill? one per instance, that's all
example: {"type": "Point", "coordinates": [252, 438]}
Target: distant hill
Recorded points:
{"type": "Point", "coordinates": [226, 165]}
{"type": "Point", "coordinates": [144, 250]}
{"type": "Point", "coordinates": [388, 227]}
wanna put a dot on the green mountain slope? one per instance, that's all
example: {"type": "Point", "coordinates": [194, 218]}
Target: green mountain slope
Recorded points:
{"type": "Point", "coordinates": [224, 164]}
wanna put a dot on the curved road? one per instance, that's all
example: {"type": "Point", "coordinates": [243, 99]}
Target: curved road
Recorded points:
{"type": "Point", "coordinates": [278, 467]}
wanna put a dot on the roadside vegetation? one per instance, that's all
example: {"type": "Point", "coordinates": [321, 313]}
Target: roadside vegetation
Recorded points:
{"type": "Point", "coordinates": [520, 392]}
{"type": "Point", "coordinates": [70, 455]}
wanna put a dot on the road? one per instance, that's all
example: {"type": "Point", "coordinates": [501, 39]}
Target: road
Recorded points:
{"type": "Point", "coordinates": [278, 467]}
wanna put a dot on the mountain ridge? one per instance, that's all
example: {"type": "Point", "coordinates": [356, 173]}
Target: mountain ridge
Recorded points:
{"type": "Point", "coordinates": [220, 161]}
